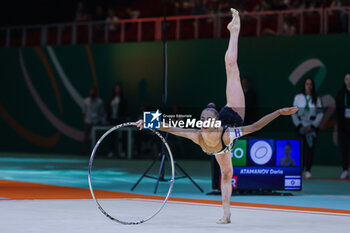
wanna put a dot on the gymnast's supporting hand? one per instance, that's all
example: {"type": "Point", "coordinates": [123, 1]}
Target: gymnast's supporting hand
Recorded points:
{"type": "Point", "coordinates": [139, 124]}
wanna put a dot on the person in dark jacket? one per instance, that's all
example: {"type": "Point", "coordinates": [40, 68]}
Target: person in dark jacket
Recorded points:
{"type": "Point", "coordinates": [250, 102]}
{"type": "Point", "coordinates": [343, 114]}
{"type": "Point", "coordinates": [117, 115]}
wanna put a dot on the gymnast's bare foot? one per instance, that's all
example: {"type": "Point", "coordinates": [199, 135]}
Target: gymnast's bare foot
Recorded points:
{"type": "Point", "coordinates": [235, 25]}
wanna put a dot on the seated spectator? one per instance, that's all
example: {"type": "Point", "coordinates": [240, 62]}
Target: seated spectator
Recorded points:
{"type": "Point", "coordinates": [132, 14]}
{"type": "Point", "coordinates": [336, 3]}
{"type": "Point", "coordinates": [186, 4]}
{"type": "Point", "coordinates": [81, 13]}
{"type": "Point", "coordinates": [112, 21]}
{"type": "Point", "coordinates": [289, 27]}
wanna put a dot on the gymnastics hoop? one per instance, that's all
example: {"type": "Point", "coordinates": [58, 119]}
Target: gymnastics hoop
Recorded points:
{"type": "Point", "coordinates": [171, 180]}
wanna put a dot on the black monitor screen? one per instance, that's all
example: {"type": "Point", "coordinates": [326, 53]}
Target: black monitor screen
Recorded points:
{"type": "Point", "coordinates": [266, 164]}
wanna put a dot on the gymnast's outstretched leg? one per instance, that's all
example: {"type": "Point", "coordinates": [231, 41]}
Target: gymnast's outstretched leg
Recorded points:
{"type": "Point", "coordinates": [234, 92]}
{"type": "Point", "coordinates": [235, 100]}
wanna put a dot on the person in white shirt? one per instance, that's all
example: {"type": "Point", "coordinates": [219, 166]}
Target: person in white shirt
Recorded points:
{"type": "Point", "coordinates": [111, 21]}
{"type": "Point", "coordinates": [93, 113]}
{"type": "Point", "coordinates": [307, 121]}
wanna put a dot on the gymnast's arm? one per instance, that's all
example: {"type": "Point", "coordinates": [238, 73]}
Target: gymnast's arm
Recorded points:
{"type": "Point", "coordinates": [191, 134]}
{"type": "Point", "coordinates": [267, 119]}
{"type": "Point", "coordinates": [234, 133]}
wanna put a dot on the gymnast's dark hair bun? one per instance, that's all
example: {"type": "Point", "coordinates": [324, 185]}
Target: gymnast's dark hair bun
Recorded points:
{"type": "Point", "coordinates": [211, 105]}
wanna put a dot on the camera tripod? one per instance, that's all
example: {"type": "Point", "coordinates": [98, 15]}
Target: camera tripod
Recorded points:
{"type": "Point", "coordinates": [161, 172]}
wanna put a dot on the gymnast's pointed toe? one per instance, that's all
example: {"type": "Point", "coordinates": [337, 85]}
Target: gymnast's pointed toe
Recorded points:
{"type": "Point", "coordinates": [235, 25]}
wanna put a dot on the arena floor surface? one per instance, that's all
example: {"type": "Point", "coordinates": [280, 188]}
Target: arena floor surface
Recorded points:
{"type": "Point", "coordinates": [50, 194]}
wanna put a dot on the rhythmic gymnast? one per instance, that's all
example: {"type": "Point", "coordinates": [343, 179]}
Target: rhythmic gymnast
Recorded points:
{"type": "Point", "coordinates": [219, 141]}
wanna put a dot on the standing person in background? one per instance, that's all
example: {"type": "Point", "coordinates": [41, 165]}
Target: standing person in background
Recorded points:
{"type": "Point", "coordinates": [93, 113]}
{"type": "Point", "coordinates": [307, 121]}
{"type": "Point", "coordinates": [116, 106]}
{"type": "Point", "coordinates": [116, 115]}
{"type": "Point", "coordinates": [343, 114]}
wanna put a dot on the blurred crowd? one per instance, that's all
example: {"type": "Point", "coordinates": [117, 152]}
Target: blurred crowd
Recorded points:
{"type": "Point", "coordinates": [138, 9]}
{"type": "Point", "coordinates": [196, 7]}
{"type": "Point", "coordinates": [223, 6]}
{"type": "Point", "coordinates": [85, 10]}
{"type": "Point", "coordinates": [83, 13]}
